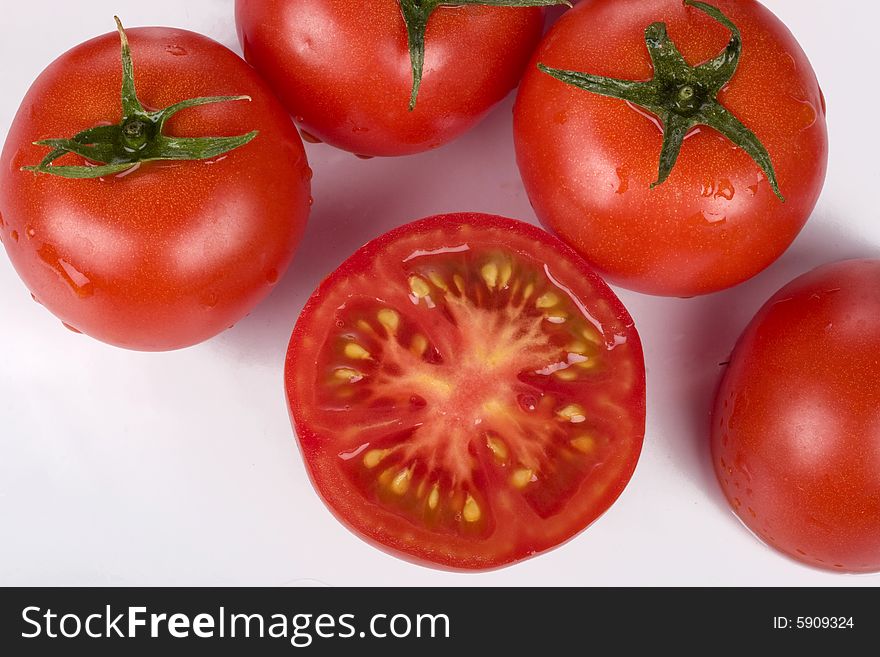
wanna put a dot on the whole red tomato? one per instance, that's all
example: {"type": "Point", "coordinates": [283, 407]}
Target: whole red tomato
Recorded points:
{"type": "Point", "coordinates": [466, 392]}
{"type": "Point", "coordinates": [344, 68]}
{"type": "Point", "coordinates": [167, 253]}
{"type": "Point", "coordinates": [796, 429]}
{"type": "Point", "coordinates": [589, 159]}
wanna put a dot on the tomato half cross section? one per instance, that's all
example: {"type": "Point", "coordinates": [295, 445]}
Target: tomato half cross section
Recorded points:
{"type": "Point", "coordinates": [467, 392]}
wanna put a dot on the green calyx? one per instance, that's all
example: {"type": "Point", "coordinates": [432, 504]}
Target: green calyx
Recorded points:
{"type": "Point", "coordinates": [416, 14]}
{"type": "Point", "coordinates": [682, 96]}
{"type": "Point", "coordinates": [138, 138]}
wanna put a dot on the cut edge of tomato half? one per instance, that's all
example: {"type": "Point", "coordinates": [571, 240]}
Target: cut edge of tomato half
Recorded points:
{"type": "Point", "coordinates": [466, 392]}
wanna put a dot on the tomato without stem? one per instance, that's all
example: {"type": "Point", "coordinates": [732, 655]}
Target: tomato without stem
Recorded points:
{"type": "Point", "coordinates": [589, 161]}
{"type": "Point", "coordinates": [796, 430]}
{"type": "Point", "coordinates": [343, 68]}
{"type": "Point", "coordinates": [169, 253]}
{"type": "Point", "coordinates": [466, 392]}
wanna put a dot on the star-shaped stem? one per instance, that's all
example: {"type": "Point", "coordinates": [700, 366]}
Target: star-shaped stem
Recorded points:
{"type": "Point", "coordinates": [416, 14]}
{"type": "Point", "coordinates": [138, 138]}
{"type": "Point", "coordinates": [682, 96]}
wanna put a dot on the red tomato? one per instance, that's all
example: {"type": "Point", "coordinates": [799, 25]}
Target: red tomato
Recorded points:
{"type": "Point", "coordinates": [796, 431]}
{"type": "Point", "coordinates": [343, 69]}
{"type": "Point", "coordinates": [588, 162]}
{"type": "Point", "coordinates": [466, 392]}
{"type": "Point", "coordinates": [174, 252]}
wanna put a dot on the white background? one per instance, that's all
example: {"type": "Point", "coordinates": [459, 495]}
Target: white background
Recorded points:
{"type": "Point", "coordinates": [181, 468]}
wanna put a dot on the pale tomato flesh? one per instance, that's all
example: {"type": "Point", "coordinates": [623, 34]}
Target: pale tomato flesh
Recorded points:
{"type": "Point", "coordinates": [466, 392]}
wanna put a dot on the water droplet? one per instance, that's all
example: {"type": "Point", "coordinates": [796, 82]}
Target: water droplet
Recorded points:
{"type": "Point", "coordinates": [272, 276]}
{"type": "Point", "coordinates": [417, 401]}
{"type": "Point", "coordinates": [30, 231]}
{"type": "Point", "coordinates": [653, 119]}
{"type": "Point", "coordinates": [33, 296]}
{"type": "Point", "coordinates": [340, 324]}
{"type": "Point", "coordinates": [308, 174]}
{"type": "Point", "coordinates": [704, 216]}
{"type": "Point", "coordinates": [14, 235]}
{"type": "Point", "coordinates": [70, 328]}
{"type": "Point", "coordinates": [807, 114]}
{"type": "Point", "coordinates": [211, 300]}
{"type": "Point", "coordinates": [363, 157]}
{"type": "Point", "coordinates": [623, 177]}
{"type": "Point", "coordinates": [741, 465]}
{"type": "Point", "coordinates": [718, 189]}
{"type": "Point", "coordinates": [725, 189]}
{"type": "Point", "coordinates": [177, 51]}
{"type": "Point", "coordinates": [359, 129]}
{"type": "Point", "coordinates": [80, 283]}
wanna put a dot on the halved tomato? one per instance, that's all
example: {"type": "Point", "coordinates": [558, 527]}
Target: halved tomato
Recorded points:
{"type": "Point", "coordinates": [467, 392]}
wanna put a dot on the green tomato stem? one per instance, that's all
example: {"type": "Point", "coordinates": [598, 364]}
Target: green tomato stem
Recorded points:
{"type": "Point", "coordinates": [417, 13]}
{"type": "Point", "coordinates": [138, 138]}
{"type": "Point", "coordinates": [682, 96]}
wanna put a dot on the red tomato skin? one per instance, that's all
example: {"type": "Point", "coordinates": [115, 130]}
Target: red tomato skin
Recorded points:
{"type": "Point", "coordinates": [172, 253]}
{"type": "Point", "coordinates": [588, 162]}
{"type": "Point", "coordinates": [387, 531]}
{"type": "Point", "coordinates": [343, 70]}
{"type": "Point", "coordinates": [796, 424]}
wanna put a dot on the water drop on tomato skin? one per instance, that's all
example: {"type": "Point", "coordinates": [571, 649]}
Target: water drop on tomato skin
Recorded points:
{"type": "Point", "coordinates": [70, 328]}
{"type": "Point", "coordinates": [272, 276]}
{"type": "Point", "coordinates": [175, 50]}
{"type": "Point", "coordinates": [14, 235]}
{"type": "Point", "coordinates": [211, 300]}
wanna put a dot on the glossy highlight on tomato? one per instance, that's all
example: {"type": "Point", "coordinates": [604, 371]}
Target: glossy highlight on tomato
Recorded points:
{"type": "Point", "coordinates": [164, 254]}
{"type": "Point", "coordinates": [466, 392]}
{"type": "Point", "coordinates": [590, 163]}
{"type": "Point", "coordinates": [342, 68]}
{"type": "Point", "coordinates": [796, 425]}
